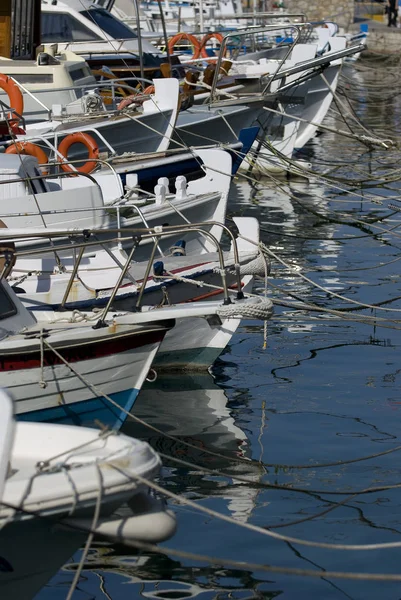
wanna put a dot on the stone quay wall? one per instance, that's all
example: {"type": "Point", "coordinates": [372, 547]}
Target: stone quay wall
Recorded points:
{"type": "Point", "coordinates": [383, 40]}
{"type": "Point", "coordinates": [340, 11]}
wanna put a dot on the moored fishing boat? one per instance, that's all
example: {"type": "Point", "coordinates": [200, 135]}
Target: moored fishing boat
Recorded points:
{"type": "Point", "coordinates": [58, 483]}
{"type": "Point", "coordinates": [278, 85]}
{"type": "Point", "coordinates": [65, 369]}
{"type": "Point", "coordinates": [49, 80]}
{"type": "Point", "coordinates": [91, 31]}
{"type": "Point", "coordinates": [206, 295]}
{"type": "Point", "coordinates": [148, 128]}
{"type": "Point", "coordinates": [66, 201]}
{"type": "Point", "coordinates": [186, 254]}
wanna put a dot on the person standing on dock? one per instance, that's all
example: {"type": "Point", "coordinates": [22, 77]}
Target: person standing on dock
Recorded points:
{"type": "Point", "coordinates": [392, 12]}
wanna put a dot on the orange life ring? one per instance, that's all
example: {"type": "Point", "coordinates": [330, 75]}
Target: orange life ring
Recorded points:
{"type": "Point", "coordinates": [31, 150]}
{"type": "Point", "coordinates": [86, 140]}
{"type": "Point", "coordinates": [209, 36]}
{"type": "Point", "coordinates": [16, 101]}
{"type": "Point", "coordinates": [184, 36]}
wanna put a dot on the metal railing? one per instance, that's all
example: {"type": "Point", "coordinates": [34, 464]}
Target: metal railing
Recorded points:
{"type": "Point", "coordinates": [306, 68]}
{"type": "Point", "coordinates": [252, 32]}
{"type": "Point", "coordinates": [113, 84]}
{"type": "Point", "coordinates": [122, 204]}
{"type": "Point", "coordinates": [82, 240]}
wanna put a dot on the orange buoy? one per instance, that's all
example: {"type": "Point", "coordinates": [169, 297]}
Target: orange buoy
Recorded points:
{"type": "Point", "coordinates": [209, 36]}
{"type": "Point", "coordinates": [31, 150]}
{"type": "Point", "coordinates": [86, 140]}
{"type": "Point", "coordinates": [185, 36]}
{"type": "Point", "coordinates": [16, 101]}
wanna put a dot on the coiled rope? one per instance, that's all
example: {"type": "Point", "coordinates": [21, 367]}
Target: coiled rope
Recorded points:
{"type": "Point", "coordinates": [262, 310]}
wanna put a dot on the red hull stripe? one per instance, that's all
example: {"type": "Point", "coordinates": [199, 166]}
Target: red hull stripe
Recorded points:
{"type": "Point", "coordinates": [180, 270]}
{"type": "Point", "coordinates": [86, 351]}
{"type": "Point", "coordinates": [195, 275]}
{"type": "Point", "coordinates": [211, 294]}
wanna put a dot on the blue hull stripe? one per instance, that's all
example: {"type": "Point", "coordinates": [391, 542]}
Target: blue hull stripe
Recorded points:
{"type": "Point", "coordinates": [247, 136]}
{"type": "Point", "coordinates": [86, 412]}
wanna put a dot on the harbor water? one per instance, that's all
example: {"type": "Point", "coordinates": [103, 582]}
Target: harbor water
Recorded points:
{"type": "Point", "coordinates": [296, 414]}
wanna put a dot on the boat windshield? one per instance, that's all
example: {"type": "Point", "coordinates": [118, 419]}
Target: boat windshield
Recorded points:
{"type": "Point", "coordinates": [110, 25]}
{"type": "Point", "coordinates": [62, 27]}
{"type": "Point", "coordinates": [7, 308]}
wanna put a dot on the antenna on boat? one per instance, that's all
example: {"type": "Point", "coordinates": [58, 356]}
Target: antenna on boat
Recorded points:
{"type": "Point", "coordinates": [163, 21]}
{"type": "Point", "coordinates": [19, 28]}
{"type": "Point", "coordinates": [108, 5]}
{"type": "Point", "coordinates": [201, 20]}
{"type": "Point", "coordinates": [139, 37]}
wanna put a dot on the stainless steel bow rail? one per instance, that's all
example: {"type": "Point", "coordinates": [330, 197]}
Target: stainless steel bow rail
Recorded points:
{"type": "Point", "coordinates": [320, 61]}
{"type": "Point", "coordinates": [252, 32]}
{"type": "Point", "coordinates": [264, 16]}
{"type": "Point", "coordinates": [120, 204]}
{"type": "Point", "coordinates": [113, 84]}
{"type": "Point", "coordinates": [81, 239]}
{"type": "Point", "coordinates": [310, 67]}
{"type": "Point", "coordinates": [28, 181]}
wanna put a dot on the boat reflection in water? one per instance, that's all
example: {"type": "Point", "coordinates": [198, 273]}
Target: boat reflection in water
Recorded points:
{"type": "Point", "coordinates": [192, 409]}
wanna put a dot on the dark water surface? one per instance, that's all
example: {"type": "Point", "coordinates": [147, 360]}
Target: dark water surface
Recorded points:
{"type": "Point", "coordinates": [324, 390]}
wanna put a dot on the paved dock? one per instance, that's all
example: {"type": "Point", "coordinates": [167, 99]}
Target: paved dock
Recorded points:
{"type": "Point", "coordinates": [381, 39]}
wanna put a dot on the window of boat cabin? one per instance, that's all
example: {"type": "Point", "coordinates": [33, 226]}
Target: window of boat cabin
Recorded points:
{"type": "Point", "coordinates": [79, 73]}
{"type": "Point", "coordinates": [33, 78]}
{"type": "Point", "coordinates": [7, 308]}
{"type": "Point", "coordinates": [62, 27]}
{"type": "Point", "coordinates": [109, 24]}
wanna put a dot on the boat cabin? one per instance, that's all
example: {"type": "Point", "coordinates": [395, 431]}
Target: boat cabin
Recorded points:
{"type": "Point", "coordinates": [96, 34]}
{"type": "Point", "coordinates": [53, 80]}
{"type": "Point", "coordinates": [93, 32]}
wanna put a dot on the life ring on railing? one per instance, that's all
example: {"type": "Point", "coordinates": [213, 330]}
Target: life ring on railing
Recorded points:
{"type": "Point", "coordinates": [86, 140]}
{"type": "Point", "coordinates": [16, 101]}
{"type": "Point", "coordinates": [31, 150]}
{"type": "Point", "coordinates": [185, 36]}
{"type": "Point", "coordinates": [209, 36]}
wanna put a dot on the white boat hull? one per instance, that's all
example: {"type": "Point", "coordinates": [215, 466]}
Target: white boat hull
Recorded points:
{"type": "Point", "coordinates": [66, 399]}
{"type": "Point", "coordinates": [194, 344]}
{"type": "Point", "coordinates": [58, 478]}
